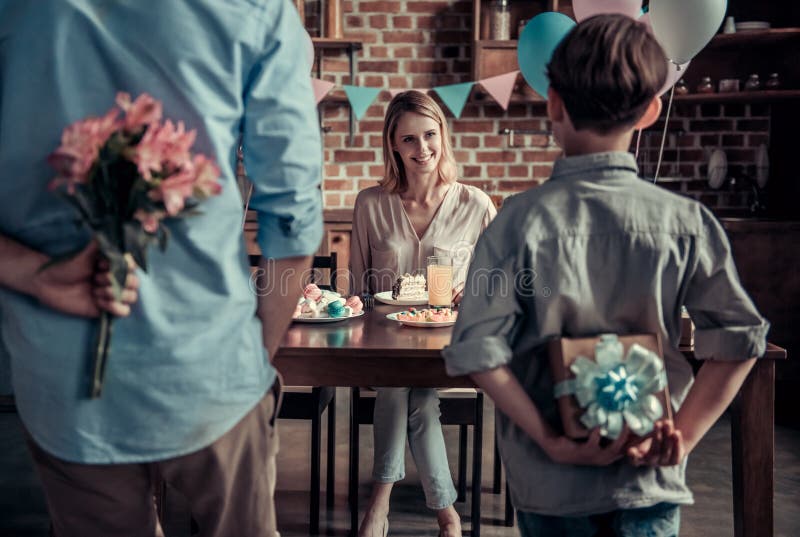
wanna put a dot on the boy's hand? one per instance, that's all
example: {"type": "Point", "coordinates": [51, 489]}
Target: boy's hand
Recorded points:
{"type": "Point", "coordinates": [564, 450]}
{"type": "Point", "coordinates": [665, 447]}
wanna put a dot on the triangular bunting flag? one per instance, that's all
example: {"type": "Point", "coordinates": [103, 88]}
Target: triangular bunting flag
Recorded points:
{"type": "Point", "coordinates": [500, 87]}
{"type": "Point", "coordinates": [360, 98]}
{"type": "Point", "coordinates": [455, 96]}
{"type": "Point", "coordinates": [321, 88]}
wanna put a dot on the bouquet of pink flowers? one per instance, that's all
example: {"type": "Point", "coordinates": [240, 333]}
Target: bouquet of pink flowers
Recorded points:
{"type": "Point", "coordinates": [125, 175]}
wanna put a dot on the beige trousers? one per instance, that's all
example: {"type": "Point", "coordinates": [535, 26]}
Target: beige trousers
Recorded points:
{"type": "Point", "coordinates": [230, 485]}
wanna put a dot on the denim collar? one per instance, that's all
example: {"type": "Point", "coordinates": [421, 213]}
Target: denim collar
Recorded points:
{"type": "Point", "coordinates": [595, 166]}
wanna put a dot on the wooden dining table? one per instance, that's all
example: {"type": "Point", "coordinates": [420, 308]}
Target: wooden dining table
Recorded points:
{"type": "Point", "coordinates": [373, 350]}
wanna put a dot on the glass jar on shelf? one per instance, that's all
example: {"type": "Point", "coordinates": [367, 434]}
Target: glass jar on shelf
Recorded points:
{"type": "Point", "coordinates": [499, 20]}
{"type": "Point", "coordinates": [773, 82]}
{"type": "Point", "coordinates": [705, 85]}
{"type": "Point", "coordinates": [681, 88]}
{"type": "Point", "coordinates": [753, 83]}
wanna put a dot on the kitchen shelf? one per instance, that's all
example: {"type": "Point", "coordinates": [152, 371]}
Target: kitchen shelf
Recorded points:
{"type": "Point", "coordinates": [494, 57]}
{"type": "Point", "coordinates": [762, 96]}
{"type": "Point", "coordinates": [773, 36]}
{"type": "Point", "coordinates": [495, 43]}
{"type": "Point", "coordinates": [349, 46]}
{"type": "Point", "coordinates": [329, 43]}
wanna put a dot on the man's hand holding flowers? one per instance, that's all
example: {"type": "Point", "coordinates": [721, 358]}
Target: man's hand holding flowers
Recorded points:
{"type": "Point", "coordinates": [81, 286]}
{"type": "Point", "coordinates": [125, 176]}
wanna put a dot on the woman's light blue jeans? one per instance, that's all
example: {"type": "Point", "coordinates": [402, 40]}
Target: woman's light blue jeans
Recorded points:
{"type": "Point", "coordinates": [412, 413]}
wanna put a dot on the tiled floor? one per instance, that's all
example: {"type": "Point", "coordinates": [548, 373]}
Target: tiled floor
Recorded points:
{"type": "Point", "coordinates": [22, 511]}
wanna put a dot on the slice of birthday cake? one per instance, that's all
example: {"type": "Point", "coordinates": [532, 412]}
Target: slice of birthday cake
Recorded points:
{"type": "Point", "coordinates": [409, 287]}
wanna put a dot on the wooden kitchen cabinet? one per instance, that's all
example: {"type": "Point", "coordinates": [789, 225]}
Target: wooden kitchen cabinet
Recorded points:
{"type": "Point", "coordinates": [335, 238]}
{"type": "Point", "coordinates": [493, 57]}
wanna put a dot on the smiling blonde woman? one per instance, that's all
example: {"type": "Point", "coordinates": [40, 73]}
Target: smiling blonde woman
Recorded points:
{"type": "Point", "coordinates": [418, 210]}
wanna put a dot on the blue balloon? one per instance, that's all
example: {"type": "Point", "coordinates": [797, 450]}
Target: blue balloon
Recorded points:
{"type": "Point", "coordinates": [539, 39]}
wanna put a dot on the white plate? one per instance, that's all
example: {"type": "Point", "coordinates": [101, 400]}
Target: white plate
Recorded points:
{"type": "Point", "coordinates": [419, 324]}
{"type": "Point", "coordinates": [717, 168]}
{"type": "Point", "coordinates": [317, 320]}
{"type": "Point", "coordinates": [762, 166]}
{"type": "Point", "coordinates": [750, 26]}
{"type": "Point", "coordinates": [386, 298]}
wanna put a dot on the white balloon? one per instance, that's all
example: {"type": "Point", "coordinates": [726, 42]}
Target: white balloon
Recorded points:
{"type": "Point", "coordinates": [674, 73]}
{"type": "Point", "coordinates": [684, 27]}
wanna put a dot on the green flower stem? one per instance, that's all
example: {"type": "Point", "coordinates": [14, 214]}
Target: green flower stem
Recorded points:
{"type": "Point", "coordinates": [101, 354]}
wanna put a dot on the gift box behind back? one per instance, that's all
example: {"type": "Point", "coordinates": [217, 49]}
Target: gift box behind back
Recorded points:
{"type": "Point", "coordinates": [564, 351]}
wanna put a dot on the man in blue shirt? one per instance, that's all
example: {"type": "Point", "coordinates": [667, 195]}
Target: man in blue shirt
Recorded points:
{"type": "Point", "coordinates": [187, 391]}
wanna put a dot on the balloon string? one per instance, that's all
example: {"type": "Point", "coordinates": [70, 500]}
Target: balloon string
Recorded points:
{"type": "Point", "coordinates": [664, 134]}
{"type": "Point", "coordinates": [247, 203]}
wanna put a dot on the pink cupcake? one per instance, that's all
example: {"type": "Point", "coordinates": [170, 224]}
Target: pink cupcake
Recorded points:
{"type": "Point", "coordinates": [312, 291]}
{"type": "Point", "coordinates": [354, 303]}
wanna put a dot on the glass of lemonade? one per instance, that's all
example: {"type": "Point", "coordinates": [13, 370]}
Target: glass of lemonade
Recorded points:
{"type": "Point", "coordinates": [440, 281]}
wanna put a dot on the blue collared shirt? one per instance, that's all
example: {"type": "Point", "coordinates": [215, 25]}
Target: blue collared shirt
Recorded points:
{"type": "Point", "coordinates": [595, 250]}
{"type": "Point", "coordinates": [189, 362]}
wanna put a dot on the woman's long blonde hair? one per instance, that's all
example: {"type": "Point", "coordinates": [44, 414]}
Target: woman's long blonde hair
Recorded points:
{"type": "Point", "coordinates": [394, 175]}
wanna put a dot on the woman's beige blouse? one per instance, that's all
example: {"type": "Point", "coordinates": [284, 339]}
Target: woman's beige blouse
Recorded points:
{"type": "Point", "coordinates": [385, 245]}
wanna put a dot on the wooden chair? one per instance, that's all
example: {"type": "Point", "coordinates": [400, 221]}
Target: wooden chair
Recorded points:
{"type": "Point", "coordinates": [497, 486]}
{"type": "Point", "coordinates": [458, 406]}
{"type": "Point", "coordinates": [309, 403]}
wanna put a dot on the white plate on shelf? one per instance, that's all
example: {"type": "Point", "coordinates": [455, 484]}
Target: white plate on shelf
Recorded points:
{"type": "Point", "coordinates": [752, 26]}
{"type": "Point", "coordinates": [320, 320]}
{"type": "Point", "coordinates": [717, 168]}
{"type": "Point", "coordinates": [762, 166]}
{"type": "Point", "coordinates": [386, 298]}
{"type": "Point", "coordinates": [419, 324]}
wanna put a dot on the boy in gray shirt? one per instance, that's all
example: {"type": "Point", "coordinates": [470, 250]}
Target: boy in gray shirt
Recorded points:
{"type": "Point", "coordinates": [595, 250]}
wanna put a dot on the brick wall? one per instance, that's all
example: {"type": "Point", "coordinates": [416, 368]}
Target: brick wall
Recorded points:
{"type": "Point", "coordinates": [421, 44]}
{"type": "Point", "coordinates": [695, 130]}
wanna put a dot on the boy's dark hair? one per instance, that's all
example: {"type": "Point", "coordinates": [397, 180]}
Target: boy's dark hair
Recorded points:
{"type": "Point", "coordinates": [607, 70]}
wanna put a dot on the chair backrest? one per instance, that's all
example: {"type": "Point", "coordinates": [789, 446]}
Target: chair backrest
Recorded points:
{"type": "Point", "coordinates": [319, 263]}
{"type": "Point", "coordinates": [324, 262]}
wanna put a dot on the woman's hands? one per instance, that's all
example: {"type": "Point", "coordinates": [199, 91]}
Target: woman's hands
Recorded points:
{"type": "Point", "coordinates": [82, 286]}
{"type": "Point", "coordinates": [458, 294]}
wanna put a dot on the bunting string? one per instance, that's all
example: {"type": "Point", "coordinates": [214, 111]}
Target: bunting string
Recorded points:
{"type": "Point", "coordinates": [454, 96]}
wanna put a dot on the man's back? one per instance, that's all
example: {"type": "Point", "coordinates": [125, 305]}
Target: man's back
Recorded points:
{"type": "Point", "coordinates": [221, 68]}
